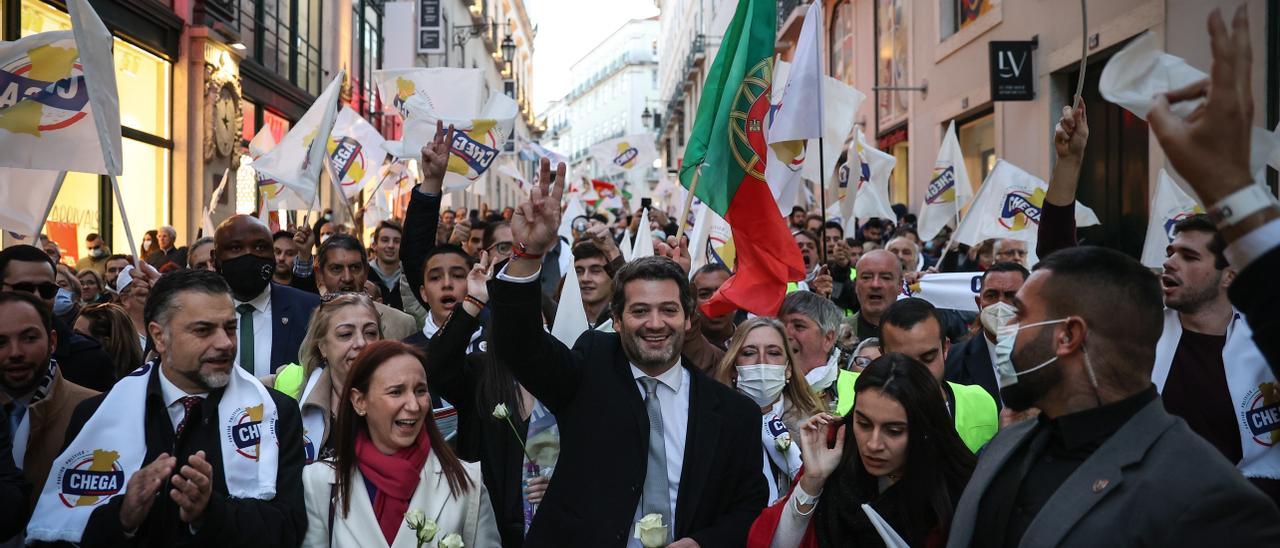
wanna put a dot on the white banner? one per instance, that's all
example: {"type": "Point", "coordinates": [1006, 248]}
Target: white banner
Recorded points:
{"type": "Point", "coordinates": [952, 290]}
{"type": "Point", "coordinates": [1169, 204]}
{"type": "Point", "coordinates": [626, 153]}
{"type": "Point", "coordinates": [355, 152]}
{"type": "Point", "coordinates": [297, 160]}
{"type": "Point", "coordinates": [1008, 206]}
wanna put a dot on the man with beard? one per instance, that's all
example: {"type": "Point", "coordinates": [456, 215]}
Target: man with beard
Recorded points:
{"type": "Point", "coordinates": [115, 264]}
{"type": "Point", "coordinates": [189, 485]}
{"type": "Point", "coordinates": [973, 361]}
{"type": "Point", "coordinates": [1081, 349]}
{"type": "Point", "coordinates": [1207, 368]}
{"type": "Point", "coordinates": [286, 251]}
{"type": "Point", "coordinates": [641, 430]}
{"type": "Point", "coordinates": [37, 399]}
{"type": "Point", "coordinates": [812, 323]}
{"type": "Point", "coordinates": [273, 318]}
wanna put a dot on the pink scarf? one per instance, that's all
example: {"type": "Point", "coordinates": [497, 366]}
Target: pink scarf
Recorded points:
{"type": "Point", "coordinates": [395, 477]}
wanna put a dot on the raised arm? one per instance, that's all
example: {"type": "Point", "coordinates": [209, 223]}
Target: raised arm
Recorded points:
{"type": "Point", "coordinates": [448, 372]}
{"type": "Point", "coordinates": [422, 219]}
{"type": "Point", "coordinates": [1058, 214]}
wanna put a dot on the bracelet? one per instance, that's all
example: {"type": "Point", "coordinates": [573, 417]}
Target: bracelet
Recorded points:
{"type": "Point", "coordinates": [479, 303]}
{"type": "Point", "coordinates": [805, 499]}
{"type": "Point", "coordinates": [1240, 205]}
{"type": "Point", "coordinates": [519, 251]}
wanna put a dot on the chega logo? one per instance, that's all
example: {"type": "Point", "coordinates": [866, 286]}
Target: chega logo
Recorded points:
{"type": "Point", "coordinates": [942, 187]}
{"type": "Point", "coordinates": [44, 91]}
{"type": "Point", "coordinates": [244, 429]}
{"type": "Point", "coordinates": [90, 477]}
{"type": "Point", "coordinates": [1261, 413]}
{"type": "Point", "coordinates": [1168, 224]}
{"type": "Point", "coordinates": [1021, 209]}
{"type": "Point", "coordinates": [474, 150]}
{"type": "Point", "coordinates": [346, 157]}
{"type": "Point", "coordinates": [626, 157]}
{"type": "Point", "coordinates": [308, 447]}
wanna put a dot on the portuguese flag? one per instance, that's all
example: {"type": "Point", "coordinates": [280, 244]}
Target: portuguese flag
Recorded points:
{"type": "Point", "coordinates": [728, 144]}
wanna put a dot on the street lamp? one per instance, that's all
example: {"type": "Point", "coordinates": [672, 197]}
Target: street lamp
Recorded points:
{"type": "Point", "coordinates": [646, 117]}
{"type": "Point", "coordinates": [508, 49]}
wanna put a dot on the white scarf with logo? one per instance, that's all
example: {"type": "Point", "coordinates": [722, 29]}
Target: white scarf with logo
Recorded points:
{"type": "Point", "coordinates": [108, 450]}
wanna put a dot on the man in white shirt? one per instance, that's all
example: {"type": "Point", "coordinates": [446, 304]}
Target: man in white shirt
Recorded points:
{"type": "Point", "coordinates": [272, 318]}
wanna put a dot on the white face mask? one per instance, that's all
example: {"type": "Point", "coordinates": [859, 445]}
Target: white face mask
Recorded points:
{"type": "Point", "coordinates": [763, 383]}
{"type": "Point", "coordinates": [821, 377]}
{"type": "Point", "coordinates": [1007, 374]}
{"type": "Point", "coordinates": [995, 316]}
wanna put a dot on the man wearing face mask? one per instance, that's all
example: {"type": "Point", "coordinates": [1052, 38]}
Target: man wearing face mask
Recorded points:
{"type": "Point", "coordinates": [272, 318]}
{"type": "Point", "coordinates": [1082, 350]}
{"type": "Point", "coordinates": [96, 260]}
{"type": "Point", "coordinates": [973, 361]}
{"type": "Point", "coordinates": [811, 323]}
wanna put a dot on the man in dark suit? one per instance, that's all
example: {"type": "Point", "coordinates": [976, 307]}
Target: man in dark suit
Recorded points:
{"type": "Point", "coordinates": [971, 362]}
{"type": "Point", "coordinates": [179, 497]}
{"type": "Point", "coordinates": [272, 318]}
{"type": "Point", "coordinates": [641, 430]}
{"type": "Point", "coordinates": [1089, 319]}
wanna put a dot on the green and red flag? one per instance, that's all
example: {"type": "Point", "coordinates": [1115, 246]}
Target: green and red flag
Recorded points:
{"type": "Point", "coordinates": [728, 145]}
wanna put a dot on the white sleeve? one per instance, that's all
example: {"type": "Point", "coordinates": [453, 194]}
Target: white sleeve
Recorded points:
{"type": "Point", "coordinates": [1253, 245]}
{"type": "Point", "coordinates": [792, 524]}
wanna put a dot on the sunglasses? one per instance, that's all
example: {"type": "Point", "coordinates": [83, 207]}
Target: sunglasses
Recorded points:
{"type": "Point", "coordinates": [46, 290]}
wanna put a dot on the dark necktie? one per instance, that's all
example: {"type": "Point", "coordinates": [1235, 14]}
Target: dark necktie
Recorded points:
{"type": "Point", "coordinates": [188, 403]}
{"type": "Point", "coordinates": [246, 311]}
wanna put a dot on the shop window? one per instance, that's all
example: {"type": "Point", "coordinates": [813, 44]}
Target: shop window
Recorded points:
{"type": "Point", "coordinates": [899, 182]}
{"type": "Point", "coordinates": [842, 42]}
{"type": "Point", "coordinates": [954, 15]}
{"type": "Point", "coordinates": [366, 56]}
{"type": "Point", "coordinates": [284, 37]}
{"type": "Point", "coordinates": [978, 146]}
{"type": "Point", "coordinates": [891, 61]}
{"type": "Point", "coordinates": [145, 187]}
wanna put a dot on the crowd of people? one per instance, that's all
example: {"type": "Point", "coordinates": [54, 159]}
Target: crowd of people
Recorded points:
{"type": "Point", "coordinates": [305, 387]}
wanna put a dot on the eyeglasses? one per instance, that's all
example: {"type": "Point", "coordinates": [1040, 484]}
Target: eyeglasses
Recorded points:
{"type": "Point", "coordinates": [861, 362]}
{"type": "Point", "coordinates": [501, 247]}
{"type": "Point", "coordinates": [46, 290]}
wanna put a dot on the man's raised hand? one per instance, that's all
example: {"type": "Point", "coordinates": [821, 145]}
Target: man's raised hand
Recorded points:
{"type": "Point", "coordinates": [435, 160]}
{"type": "Point", "coordinates": [1072, 133]}
{"type": "Point", "coordinates": [537, 220]}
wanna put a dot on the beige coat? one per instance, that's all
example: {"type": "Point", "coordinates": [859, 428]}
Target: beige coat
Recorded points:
{"type": "Point", "coordinates": [471, 516]}
{"type": "Point", "coordinates": [49, 419]}
{"type": "Point", "coordinates": [396, 325]}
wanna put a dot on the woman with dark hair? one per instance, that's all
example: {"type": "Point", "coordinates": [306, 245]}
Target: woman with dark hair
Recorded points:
{"type": "Point", "coordinates": [904, 459]}
{"type": "Point", "coordinates": [390, 461]}
{"type": "Point", "coordinates": [150, 243]}
{"type": "Point", "coordinates": [476, 383]}
{"type": "Point", "coordinates": [111, 326]}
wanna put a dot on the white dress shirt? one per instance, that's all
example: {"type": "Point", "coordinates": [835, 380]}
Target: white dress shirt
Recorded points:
{"type": "Point", "coordinates": [261, 333]}
{"type": "Point", "coordinates": [172, 394]}
{"type": "Point", "coordinates": [673, 398]}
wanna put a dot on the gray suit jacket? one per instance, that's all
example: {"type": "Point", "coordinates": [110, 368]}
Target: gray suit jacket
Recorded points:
{"type": "Point", "coordinates": [1153, 483]}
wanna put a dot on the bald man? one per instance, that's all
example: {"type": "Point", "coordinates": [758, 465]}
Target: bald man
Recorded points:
{"type": "Point", "coordinates": [878, 285]}
{"type": "Point", "coordinates": [272, 318]}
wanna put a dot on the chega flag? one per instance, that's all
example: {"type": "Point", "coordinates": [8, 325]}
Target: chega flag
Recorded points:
{"type": "Point", "coordinates": [297, 160]}
{"type": "Point", "coordinates": [274, 195]}
{"type": "Point", "coordinates": [862, 185]}
{"type": "Point", "coordinates": [949, 189]}
{"type": "Point", "coordinates": [796, 115]}
{"type": "Point", "coordinates": [206, 218]}
{"type": "Point", "coordinates": [711, 240]}
{"type": "Point", "coordinates": [58, 104]}
{"type": "Point", "coordinates": [625, 153]}
{"type": "Point", "coordinates": [26, 195]}
{"type": "Point", "coordinates": [1008, 206]}
{"type": "Point", "coordinates": [726, 149]}
{"type": "Point", "coordinates": [453, 92]}
{"type": "Point", "coordinates": [1169, 204]}
{"type": "Point", "coordinates": [355, 152]}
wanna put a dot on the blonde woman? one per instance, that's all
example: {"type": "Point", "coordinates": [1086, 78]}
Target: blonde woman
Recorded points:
{"type": "Point", "coordinates": [340, 327]}
{"type": "Point", "coordinates": [760, 365]}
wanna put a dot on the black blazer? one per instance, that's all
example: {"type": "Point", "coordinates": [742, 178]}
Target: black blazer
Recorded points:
{"type": "Point", "coordinates": [970, 363]}
{"type": "Point", "coordinates": [1256, 293]}
{"type": "Point", "coordinates": [290, 313]}
{"type": "Point", "coordinates": [15, 492]}
{"type": "Point", "coordinates": [604, 429]}
{"type": "Point", "coordinates": [421, 219]}
{"type": "Point", "coordinates": [281, 521]}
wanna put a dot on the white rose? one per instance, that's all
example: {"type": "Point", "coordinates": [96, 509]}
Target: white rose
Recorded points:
{"type": "Point", "coordinates": [427, 531]}
{"type": "Point", "coordinates": [651, 532]}
{"type": "Point", "coordinates": [452, 540]}
{"type": "Point", "coordinates": [784, 441]}
{"type": "Point", "coordinates": [414, 518]}
{"type": "Point", "coordinates": [500, 411]}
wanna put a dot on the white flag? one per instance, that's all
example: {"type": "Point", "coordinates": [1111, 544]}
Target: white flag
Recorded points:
{"type": "Point", "coordinates": [1008, 206]}
{"type": "Point", "coordinates": [573, 210]}
{"type": "Point", "coordinates": [949, 188]}
{"type": "Point", "coordinates": [206, 220]}
{"type": "Point", "coordinates": [644, 238]}
{"type": "Point", "coordinates": [452, 92]}
{"type": "Point", "coordinates": [509, 171]}
{"type": "Point", "coordinates": [25, 198]}
{"type": "Point", "coordinates": [625, 248]}
{"type": "Point", "coordinates": [797, 110]}
{"type": "Point", "coordinates": [890, 537]}
{"type": "Point", "coordinates": [839, 104]}
{"type": "Point", "coordinates": [1169, 204]}
{"type": "Point", "coordinates": [58, 104]}
{"type": "Point", "coordinates": [873, 183]}
{"type": "Point", "coordinates": [625, 153]}
{"type": "Point", "coordinates": [297, 160]}
{"type": "Point", "coordinates": [274, 195]}
{"type": "Point", "coordinates": [1140, 71]}
{"type": "Point", "coordinates": [355, 152]}
{"type": "Point", "coordinates": [571, 316]}
{"type": "Point", "coordinates": [711, 241]}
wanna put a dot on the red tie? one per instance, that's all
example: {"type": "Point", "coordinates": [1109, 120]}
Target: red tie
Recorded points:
{"type": "Point", "coordinates": [188, 402]}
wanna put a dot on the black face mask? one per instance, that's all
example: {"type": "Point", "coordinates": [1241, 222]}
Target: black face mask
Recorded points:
{"type": "Point", "coordinates": [247, 274]}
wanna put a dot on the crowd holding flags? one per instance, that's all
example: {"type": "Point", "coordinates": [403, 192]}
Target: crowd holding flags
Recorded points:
{"type": "Point", "coordinates": [949, 189]}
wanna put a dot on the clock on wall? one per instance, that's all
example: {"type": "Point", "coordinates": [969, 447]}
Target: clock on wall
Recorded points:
{"type": "Point", "coordinates": [226, 120]}
{"type": "Point", "coordinates": [223, 117]}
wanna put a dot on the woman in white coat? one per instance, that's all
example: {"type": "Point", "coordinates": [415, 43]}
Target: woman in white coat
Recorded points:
{"type": "Point", "coordinates": [390, 460]}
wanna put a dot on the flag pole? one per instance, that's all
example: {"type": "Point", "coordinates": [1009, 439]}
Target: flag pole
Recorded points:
{"type": "Point", "coordinates": [124, 218]}
{"type": "Point", "coordinates": [688, 203]}
{"type": "Point", "coordinates": [57, 187]}
{"type": "Point", "coordinates": [822, 196]}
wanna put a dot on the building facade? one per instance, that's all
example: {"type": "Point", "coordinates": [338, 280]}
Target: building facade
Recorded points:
{"type": "Point", "coordinates": [936, 53]}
